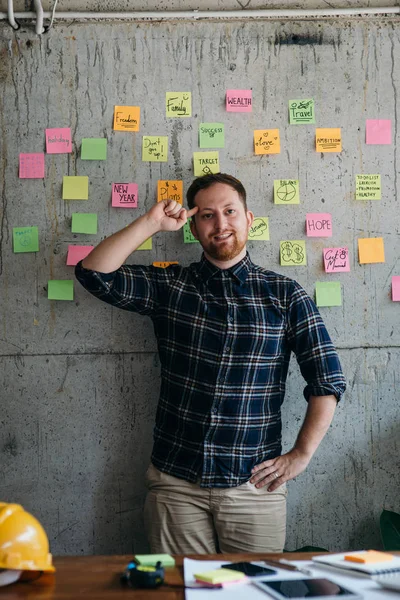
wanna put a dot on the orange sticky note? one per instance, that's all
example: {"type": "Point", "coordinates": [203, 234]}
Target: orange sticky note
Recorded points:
{"type": "Point", "coordinates": [328, 139]}
{"type": "Point", "coordinates": [126, 118]}
{"type": "Point", "coordinates": [267, 141]}
{"type": "Point", "coordinates": [170, 190]}
{"type": "Point", "coordinates": [371, 250]}
{"type": "Point", "coordinates": [164, 264]}
{"type": "Point", "coordinates": [371, 556]}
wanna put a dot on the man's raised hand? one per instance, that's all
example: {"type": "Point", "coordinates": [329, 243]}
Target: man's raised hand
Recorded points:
{"type": "Point", "coordinates": [169, 215]}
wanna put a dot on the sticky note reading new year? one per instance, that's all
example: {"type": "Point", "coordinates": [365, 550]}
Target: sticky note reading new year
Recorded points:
{"type": "Point", "coordinates": [75, 187]}
{"type": "Point", "coordinates": [84, 223]}
{"type": "Point", "coordinates": [319, 225]}
{"type": "Point", "coordinates": [259, 229]}
{"type": "Point", "coordinates": [368, 187]}
{"type": "Point", "coordinates": [31, 166]}
{"type": "Point", "coordinates": [126, 118]}
{"type": "Point", "coordinates": [25, 239]}
{"type": "Point", "coordinates": [94, 149]}
{"type": "Point", "coordinates": [293, 253]}
{"type": "Point", "coordinates": [205, 162]}
{"type": "Point", "coordinates": [328, 293]}
{"type": "Point", "coordinates": [77, 253]}
{"type": "Point", "coordinates": [164, 264]}
{"type": "Point", "coordinates": [60, 289]}
{"type": "Point", "coordinates": [267, 141]}
{"type": "Point", "coordinates": [378, 131]}
{"type": "Point", "coordinates": [396, 288]}
{"type": "Point", "coordinates": [301, 112]}
{"type": "Point", "coordinates": [211, 135]}
{"type": "Point", "coordinates": [155, 148]}
{"type": "Point", "coordinates": [371, 250]}
{"type": "Point", "coordinates": [147, 245]}
{"type": "Point", "coordinates": [286, 191]}
{"type": "Point", "coordinates": [178, 104]}
{"type": "Point", "coordinates": [239, 100]}
{"type": "Point", "coordinates": [336, 260]}
{"type": "Point", "coordinates": [328, 139]}
{"type": "Point", "coordinates": [58, 140]}
{"type": "Point", "coordinates": [170, 190]}
{"type": "Point", "coordinates": [188, 237]}
{"type": "Point", "coordinates": [124, 195]}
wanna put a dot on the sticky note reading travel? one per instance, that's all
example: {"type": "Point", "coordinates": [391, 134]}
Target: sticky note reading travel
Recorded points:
{"type": "Point", "coordinates": [164, 264]}
{"type": "Point", "coordinates": [147, 245]}
{"type": "Point", "coordinates": [396, 288]}
{"type": "Point", "coordinates": [58, 140]}
{"type": "Point", "coordinates": [286, 191]}
{"type": "Point", "coordinates": [371, 250]}
{"type": "Point", "coordinates": [84, 223]}
{"type": "Point", "coordinates": [267, 141]}
{"type": "Point", "coordinates": [239, 100]}
{"type": "Point", "coordinates": [188, 237]}
{"type": "Point", "coordinates": [301, 112]}
{"type": "Point", "coordinates": [155, 148]}
{"type": "Point", "coordinates": [328, 293]}
{"type": "Point", "coordinates": [211, 135]}
{"type": "Point", "coordinates": [336, 260]}
{"type": "Point", "coordinates": [126, 118]}
{"type": "Point", "coordinates": [75, 187]}
{"type": "Point", "coordinates": [25, 239]}
{"type": "Point", "coordinates": [205, 162]}
{"type": "Point", "coordinates": [60, 289]}
{"type": "Point", "coordinates": [124, 195]}
{"type": "Point", "coordinates": [378, 131]}
{"type": "Point", "coordinates": [259, 229]}
{"type": "Point", "coordinates": [328, 140]}
{"type": "Point", "coordinates": [293, 253]}
{"type": "Point", "coordinates": [178, 104]}
{"type": "Point", "coordinates": [77, 253]}
{"type": "Point", "coordinates": [368, 187]}
{"type": "Point", "coordinates": [319, 225]}
{"type": "Point", "coordinates": [31, 166]}
{"type": "Point", "coordinates": [170, 190]}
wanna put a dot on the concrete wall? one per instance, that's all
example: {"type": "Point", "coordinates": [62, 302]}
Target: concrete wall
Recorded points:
{"type": "Point", "coordinates": [79, 380]}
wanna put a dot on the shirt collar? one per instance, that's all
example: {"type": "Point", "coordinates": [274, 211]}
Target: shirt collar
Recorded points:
{"type": "Point", "coordinates": [239, 271]}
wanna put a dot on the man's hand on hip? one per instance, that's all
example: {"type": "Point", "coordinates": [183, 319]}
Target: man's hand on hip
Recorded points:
{"type": "Point", "coordinates": [276, 471]}
{"type": "Point", "coordinates": [169, 215]}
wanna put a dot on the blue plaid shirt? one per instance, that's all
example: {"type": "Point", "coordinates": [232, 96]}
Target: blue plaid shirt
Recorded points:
{"type": "Point", "coordinates": [224, 340]}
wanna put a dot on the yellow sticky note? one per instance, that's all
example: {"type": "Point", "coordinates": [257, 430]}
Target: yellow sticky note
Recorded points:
{"type": "Point", "coordinates": [170, 190]}
{"type": "Point", "coordinates": [293, 253]}
{"type": "Point", "coordinates": [286, 191]}
{"type": "Point", "coordinates": [147, 245]}
{"type": "Point", "coordinates": [205, 163]}
{"type": "Point", "coordinates": [164, 264]}
{"type": "Point", "coordinates": [328, 139]}
{"type": "Point", "coordinates": [259, 229]}
{"type": "Point", "coordinates": [267, 141]}
{"type": "Point", "coordinates": [178, 104]}
{"type": "Point", "coordinates": [126, 118]}
{"type": "Point", "coordinates": [371, 250]}
{"type": "Point", "coordinates": [219, 576]}
{"type": "Point", "coordinates": [75, 187]}
{"type": "Point", "coordinates": [155, 148]}
{"type": "Point", "coordinates": [368, 187]}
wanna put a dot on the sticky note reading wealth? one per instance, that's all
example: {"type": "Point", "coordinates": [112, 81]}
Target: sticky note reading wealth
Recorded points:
{"type": "Point", "coordinates": [239, 100]}
{"type": "Point", "coordinates": [77, 253]}
{"type": "Point", "coordinates": [293, 253]}
{"type": "Point", "coordinates": [84, 223]}
{"type": "Point", "coordinates": [205, 162]}
{"type": "Point", "coordinates": [371, 250]}
{"type": "Point", "coordinates": [336, 260]}
{"type": "Point", "coordinates": [25, 239]}
{"type": "Point", "coordinates": [328, 139]}
{"type": "Point", "coordinates": [211, 135]}
{"type": "Point", "coordinates": [124, 195]}
{"type": "Point", "coordinates": [147, 245]}
{"type": "Point", "coordinates": [126, 118]}
{"type": "Point", "coordinates": [155, 148]}
{"type": "Point", "coordinates": [188, 237]}
{"type": "Point", "coordinates": [178, 104]}
{"type": "Point", "coordinates": [150, 560]}
{"type": "Point", "coordinates": [396, 288]}
{"type": "Point", "coordinates": [319, 225]}
{"type": "Point", "coordinates": [301, 111]}
{"type": "Point", "coordinates": [328, 293]}
{"type": "Point", "coordinates": [170, 190]}
{"type": "Point", "coordinates": [368, 187]}
{"type": "Point", "coordinates": [58, 140]}
{"type": "Point", "coordinates": [164, 264]}
{"type": "Point", "coordinates": [94, 149]}
{"type": "Point", "coordinates": [75, 187]}
{"type": "Point", "coordinates": [286, 191]}
{"type": "Point", "coordinates": [60, 289]}
{"type": "Point", "coordinates": [378, 131]}
{"type": "Point", "coordinates": [31, 166]}
{"type": "Point", "coordinates": [259, 229]}
{"type": "Point", "coordinates": [267, 141]}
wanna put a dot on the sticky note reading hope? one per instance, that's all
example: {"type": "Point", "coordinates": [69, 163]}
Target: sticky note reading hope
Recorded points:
{"type": "Point", "coordinates": [286, 191]}
{"type": "Point", "coordinates": [205, 162]}
{"type": "Point", "coordinates": [301, 112]}
{"type": "Point", "coordinates": [124, 195]}
{"type": "Point", "coordinates": [239, 100]}
{"type": "Point", "coordinates": [31, 166]}
{"type": "Point", "coordinates": [378, 131]}
{"type": "Point", "coordinates": [211, 135]}
{"type": "Point", "coordinates": [336, 260]}
{"type": "Point", "coordinates": [267, 141]}
{"type": "Point", "coordinates": [259, 229]}
{"type": "Point", "coordinates": [126, 118]}
{"type": "Point", "coordinates": [368, 187]}
{"type": "Point", "coordinates": [319, 225]}
{"type": "Point", "coordinates": [75, 187]}
{"type": "Point", "coordinates": [77, 253]}
{"type": "Point", "coordinates": [328, 139]}
{"type": "Point", "coordinates": [94, 149]}
{"type": "Point", "coordinates": [293, 253]}
{"type": "Point", "coordinates": [58, 140]}
{"type": "Point", "coordinates": [155, 148]}
{"type": "Point", "coordinates": [371, 250]}
{"type": "Point", "coordinates": [328, 293]}
{"type": "Point", "coordinates": [178, 104]}
{"type": "Point", "coordinates": [25, 239]}
{"type": "Point", "coordinates": [170, 190]}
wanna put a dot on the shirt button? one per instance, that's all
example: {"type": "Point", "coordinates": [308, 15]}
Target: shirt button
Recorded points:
{"type": "Point", "coordinates": [230, 319]}
{"type": "Point", "coordinates": [221, 379]}
{"type": "Point", "coordinates": [228, 349]}
{"type": "Point", "coordinates": [214, 411]}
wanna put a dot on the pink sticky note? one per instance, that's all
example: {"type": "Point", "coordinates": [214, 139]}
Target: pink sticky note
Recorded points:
{"type": "Point", "coordinates": [31, 166]}
{"type": "Point", "coordinates": [378, 131]}
{"type": "Point", "coordinates": [396, 288]}
{"type": "Point", "coordinates": [239, 100]}
{"type": "Point", "coordinates": [319, 225]}
{"type": "Point", "coordinates": [125, 195]}
{"type": "Point", "coordinates": [336, 260]}
{"type": "Point", "coordinates": [77, 253]}
{"type": "Point", "coordinates": [58, 140]}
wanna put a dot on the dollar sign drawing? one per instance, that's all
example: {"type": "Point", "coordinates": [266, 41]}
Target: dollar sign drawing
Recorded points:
{"type": "Point", "coordinates": [299, 253]}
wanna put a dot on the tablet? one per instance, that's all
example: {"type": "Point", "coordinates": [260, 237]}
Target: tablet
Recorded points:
{"type": "Point", "coordinates": [318, 589]}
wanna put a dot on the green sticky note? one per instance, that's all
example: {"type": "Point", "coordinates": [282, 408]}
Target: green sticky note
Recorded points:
{"type": "Point", "coordinates": [368, 187]}
{"type": "Point", "coordinates": [150, 560]}
{"type": "Point", "coordinates": [286, 191]}
{"type": "Point", "coordinates": [26, 239]}
{"type": "Point", "coordinates": [259, 229]}
{"type": "Point", "coordinates": [211, 135]}
{"type": "Point", "coordinates": [147, 245]}
{"type": "Point", "coordinates": [75, 187]}
{"type": "Point", "coordinates": [188, 237]}
{"type": "Point", "coordinates": [94, 149]}
{"type": "Point", "coordinates": [293, 253]}
{"type": "Point", "coordinates": [205, 163]}
{"type": "Point", "coordinates": [301, 112]}
{"type": "Point", "coordinates": [328, 293]}
{"type": "Point", "coordinates": [84, 223]}
{"type": "Point", "coordinates": [60, 289]}
{"type": "Point", "coordinates": [155, 148]}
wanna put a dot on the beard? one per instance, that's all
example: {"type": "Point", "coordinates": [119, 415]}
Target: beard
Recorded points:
{"type": "Point", "coordinates": [226, 251]}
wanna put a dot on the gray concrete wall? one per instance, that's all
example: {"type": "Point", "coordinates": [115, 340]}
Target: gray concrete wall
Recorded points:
{"type": "Point", "coordinates": [79, 380]}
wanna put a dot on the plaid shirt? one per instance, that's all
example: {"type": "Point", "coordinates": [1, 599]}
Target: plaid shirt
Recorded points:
{"type": "Point", "coordinates": [224, 340]}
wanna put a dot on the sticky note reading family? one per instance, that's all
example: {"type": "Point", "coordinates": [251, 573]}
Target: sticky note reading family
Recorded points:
{"type": "Point", "coordinates": [155, 148]}
{"type": "Point", "coordinates": [328, 139]}
{"type": "Point", "coordinates": [124, 195]}
{"type": "Point", "coordinates": [336, 260]}
{"type": "Point", "coordinates": [126, 118]}
{"type": "Point", "coordinates": [205, 162]}
{"type": "Point", "coordinates": [259, 229]}
{"type": "Point", "coordinates": [239, 100]}
{"type": "Point", "coordinates": [211, 135]}
{"type": "Point", "coordinates": [25, 239]}
{"type": "Point", "coordinates": [371, 250]}
{"type": "Point", "coordinates": [286, 191]}
{"type": "Point", "coordinates": [170, 190]}
{"type": "Point", "coordinates": [319, 225]}
{"type": "Point", "coordinates": [188, 237]}
{"type": "Point", "coordinates": [267, 141]}
{"type": "Point", "coordinates": [58, 140]}
{"type": "Point", "coordinates": [328, 293]}
{"type": "Point", "coordinates": [75, 187]}
{"type": "Point", "coordinates": [178, 104]}
{"type": "Point", "coordinates": [94, 149]}
{"type": "Point", "coordinates": [368, 187]}
{"type": "Point", "coordinates": [301, 112]}
{"type": "Point", "coordinates": [293, 253]}
{"type": "Point", "coordinates": [31, 166]}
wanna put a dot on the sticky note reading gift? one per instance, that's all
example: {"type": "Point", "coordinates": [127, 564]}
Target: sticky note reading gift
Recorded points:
{"type": "Point", "coordinates": [319, 225]}
{"type": "Point", "coordinates": [170, 190]}
{"type": "Point", "coordinates": [371, 250]}
{"type": "Point", "coordinates": [94, 149]}
{"type": "Point", "coordinates": [328, 139]}
{"type": "Point", "coordinates": [259, 230]}
{"type": "Point", "coordinates": [301, 112]}
{"type": "Point", "coordinates": [25, 239]}
{"type": "Point", "coordinates": [336, 260]}
{"type": "Point", "coordinates": [378, 131]}
{"type": "Point", "coordinates": [293, 253]}
{"type": "Point", "coordinates": [58, 140]}
{"type": "Point", "coordinates": [31, 166]}
{"type": "Point", "coordinates": [155, 148]}
{"type": "Point", "coordinates": [328, 293]}
{"type": "Point", "coordinates": [267, 141]}
{"type": "Point", "coordinates": [178, 104]}
{"type": "Point", "coordinates": [75, 187]}
{"type": "Point", "coordinates": [84, 223]}
{"type": "Point", "coordinates": [124, 195]}
{"type": "Point", "coordinates": [126, 118]}
{"type": "Point", "coordinates": [368, 187]}
{"type": "Point", "coordinates": [286, 191]}
{"type": "Point", "coordinates": [77, 253]}
{"type": "Point", "coordinates": [239, 100]}
{"type": "Point", "coordinates": [60, 289]}
{"type": "Point", "coordinates": [396, 288]}
{"type": "Point", "coordinates": [205, 162]}
{"type": "Point", "coordinates": [211, 135]}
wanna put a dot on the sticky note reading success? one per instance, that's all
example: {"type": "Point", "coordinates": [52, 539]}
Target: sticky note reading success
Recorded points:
{"type": "Point", "coordinates": [126, 118]}
{"type": "Point", "coordinates": [211, 135]}
{"type": "Point", "coordinates": [267, 141]}
{"type": "Point", "coordinates": [371, 250]}
{"type": "Point", "coordinates": [259, 229]}
{"type": "Point", "coordinates": [293, 253]}
{"type": "Point", "coordinates": [205, 162]}
{"type": "Point", "coordinates": [328, 140]}
{"type": "Point", "coordinates": [170, 190]}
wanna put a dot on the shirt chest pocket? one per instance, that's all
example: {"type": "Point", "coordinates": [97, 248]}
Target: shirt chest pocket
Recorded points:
{"type": "Point", "coordinates": [262, 334]}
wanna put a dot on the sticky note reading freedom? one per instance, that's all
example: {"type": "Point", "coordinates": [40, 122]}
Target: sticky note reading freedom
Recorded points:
{"type": "Point", "coordinates": [267, 141]}
{"type": "Point", "coordinates": [84, 223]}
{"type": "Point", "coordinates": [319, 225]}
{"type": "Point", "coordinates": [328, 140]}
{"type": "Point", "coordinates": [60, 289]}
{"type": "Point", "coordinates": [239, 100]}
{"type": "Point", "coordinates": [301, 112]}
{"type": "Point", "coordinates": [58, 141]}
{"type": "Point", "coordinates": [293, 253]}
{"type": "Point", "coordinates": [155, 148]}
{"type": "Point", "coordinates": [205, 162]}
{"type": "Point", "coordinates": [328, 293]}
{"type": "Point", "coordinates": [371, 250]}
{"type": "Point", "coordinates": [75, 187]}
{"type": "Point", "coordinates": [336, 260]}
{"type": "Point", "coordinates": [178, 104]}
{"type": "Point", "coordinates": [126, 118]}
{"type": "Point", "coordinates": [286, 191]}
{"type": "Point", "coordinates": [211, 135]}
{"type": "Point", "coordinates": [368, 187]}
{"type": "Point", "coordinates": [25, 239]}
{"type": "Point", "coordinates": [170, 190]}
{"type": "Point", "coordinates": [124, 195]}
{"type": "Point", "coordinates": [94, 149]}
{"type": "Point", "coordinates": [259, 229]}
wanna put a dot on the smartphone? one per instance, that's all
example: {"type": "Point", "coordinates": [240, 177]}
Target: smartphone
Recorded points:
{"type": "Point", "coordinates": [318, 589]}
{"type": "Point", "coordinates": [249, 569]}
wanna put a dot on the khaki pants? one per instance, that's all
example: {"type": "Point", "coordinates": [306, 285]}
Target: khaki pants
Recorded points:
{"type": "Point", "coordinates": [183, 518]}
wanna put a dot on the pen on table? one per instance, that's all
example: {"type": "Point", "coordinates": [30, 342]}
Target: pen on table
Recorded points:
{"type": "Point", "coordinates": [288, 566]}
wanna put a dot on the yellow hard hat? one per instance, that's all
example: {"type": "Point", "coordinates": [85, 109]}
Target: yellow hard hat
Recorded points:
{"type": "Point", "coordinates": [23, 541]}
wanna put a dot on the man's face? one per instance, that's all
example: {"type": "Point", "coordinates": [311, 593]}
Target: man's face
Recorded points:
{"type": "Point", "coordinates": [221, 224]}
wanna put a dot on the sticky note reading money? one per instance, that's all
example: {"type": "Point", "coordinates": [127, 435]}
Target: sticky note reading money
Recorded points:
{"type": "Point", "coordinates": [94, 149]}
{"type": "Point", "coordinates": [293, 253]}
{"type": "Point", "coordinates": [60, 289]}
{"type": "Point", "coordinates": [336, 260]}
{"type": "Point", "coordinates": [396, 288]}
{"type": "Point", "coordinates": [188, 237]}
{"type": "Point", "coordinates": [286, 191]}
{"type": "Point", "coordinates": [75, 187]}
{"type": "Point", "coordinates": [126, 118]}
{"type": "Point", "coordinates": [267, 141]}
{"type": "Point", "coordinates": [58, 140]}
{"type": "Point", "coordinates": [211, 135]}
{"type": "Point", "coordinates": [371, 250]}
{"type": "Point", "coordinates": [124, 195]}
{"type": "Point", "coordinates": [164, 264]}
{"type": "Point", "coordinates": [239, 100]}
{"type": "Point", "coordinates": [25, 239]}
{"type": "Point", "coordinates": [378, 131]}
{"type": "Point", "coordinates": [155, 148]}
{"type": "Point", "coordinates": [77, 253]}
{"type": "Point", "coordinates": [328, 139]}
{"type": "Point", "coordinates": [259, 229]}
{"type": "Point", "coordinates": [178, 104]}
{"type": "Point", "coordinates": [328, 293]}
{"type": "Point", "coordinates": [368, 187]}
{"type": "Point", "coordinates": [301, 112]}
{"type": "Point", "coordinates": [84, 223]}
{"type": "Point", "coordinates": [319, 225]}
{"type": "Point", "coordinates": [205, 162]}
{"type": "Point", "coordinates": [170, 190]}
{"type": "Point", "coordinates": [147, 245]}
{"type": "Point", "coordinates": [31, 166]}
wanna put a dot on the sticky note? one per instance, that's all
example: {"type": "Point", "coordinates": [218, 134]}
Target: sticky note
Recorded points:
{"type": "Point", "coordinates": [220, 576]}
{"type": "Point", "coordinates": [84, 223]}
{"type": "Point", "coordinates": [60, 289]}
{"type": "Point", "coordinates": [188, 237]}
{"type": "Point", "coordinates": [239, 100]}
{"type": "Point", "coordinates": [293, 253]}
{"type": "Point", "coordinates": [286, 191]}
{"type": "Point", "coordinates": [368, 187]}
{"type": "Point", "coordinates": [150, 560]}
{"type": "Point", "coordinates": [126, 118]}
{"type": "Point", "coordinates": [170, 190]}
{"type": "Point", "coordinates": [25, 239]}
{"type": "Point", "coordinates": [396, 288]}
{"type": "Point", "coordinates": [211, 135]}
{"type": "Point", "coordinates": [378, 131]}
{"type": "Point", "coordinates": [94, 149]}
{"type": "Point", "coordinates": [155, 148]}
{"type": "Point", "coordinates": [147, 245]}
{"type": "Point", "coordinates": [267, 141]}
{"type": "Point", "coordinates": [371, 250]}
{"type": "Point", "coordinates": [205, 162]}
{"type": "Point", "coordinates": [328, 139]}
{"type": "Point", "coordinates": [178, 104]}
{"type": "Point", "coordinates": [124, 195]}
{"type": "Point", "coordinates": [75, 187]}
{"type": "Point", "coordinates": [58, 140]}
{"type": "Point", "coordinates": [369, 556]}
{"type": "Point", "coordinates": [319, 225]}
{"type": "Point", "coordinates": [328, 293]}
{"type": "Point", "coordinates": [164, 264]}
{"type": "Point", "coordinates": [301, 112]}
{"type": "Point", "coordinates": [77, 253]}
{"type": "Point", "coordinates": [259, 229]}
{"type": "Point", "coordinates": [31, 166]}
{"type": "Point", "coordinates": [336, 260]}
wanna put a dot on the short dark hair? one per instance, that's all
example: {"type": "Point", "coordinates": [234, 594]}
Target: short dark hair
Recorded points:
{"type": "Point", "coordinates": [206, 181]}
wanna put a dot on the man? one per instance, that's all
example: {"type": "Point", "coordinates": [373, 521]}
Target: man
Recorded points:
{"type": "Point", "coordinates": [225, 330]}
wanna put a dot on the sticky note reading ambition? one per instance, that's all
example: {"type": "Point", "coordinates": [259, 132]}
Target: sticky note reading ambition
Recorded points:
{"type": "Point", "coordinates": [124, 195]}
{"type": "Point", "coordinates": [75, 187]}
{"type": "Point", "coordinates": [378, 131]}
{"type": "Point", "coordinates": [170, 190]}
{"type": "Point", "coordinates": [126, 118]}
{"type": "Point", "coordinates": [94, 149]}
{"type": "Point", "coordinates": [336, 260]}
{"type": "Point", "coordinates": [60, 289]}
{"type": "Point", "coordinates": [301, 112]}
{"type": "Point", "coordinates": [25, 239]}
{"type": "Point", "coordinates": [259, 229]}
{"type": "Point", "coordinates": [293, 253]}
{"type": "Point", "coordinates": [58, 140]}
{"type": "Point", "coordinates": [155, 148]}
{"type": "Point", "coordinates": [371, 250]}
{"type": "Point", "coordinates": [239, 100]}
{"type": "Point", "coordinates": [178, 104]}
{"type": "Point", "coordinates": [188, 237]}
{"type": "Point", "coordinates": [205, 162]}
{"type": "Point", "coordinates": [31, 166]}
{"type": "Point", "coordinates": [267, 141]}
{"type": "Point", "coordinates": [319, 225]}
{"type": "Point", "coordinates": [328, 140]}
{"type": "Point", "coordinates": [368, 187]}
{"type": "Point", "coordinates": [328, 293]}
{"type": "Point", "coordinates": [211, 135]}
{"type": "Point", "coordinates": [286, 191]}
